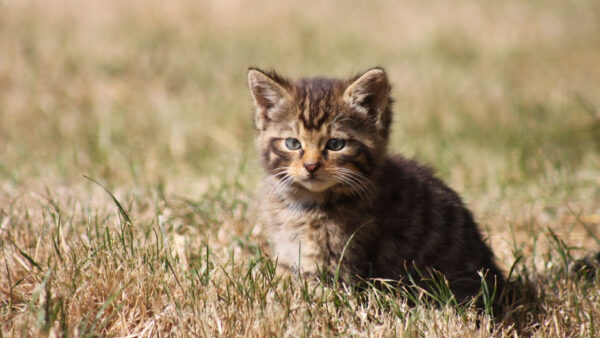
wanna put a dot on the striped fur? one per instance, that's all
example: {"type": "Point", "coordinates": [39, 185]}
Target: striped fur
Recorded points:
{"type": "Point", "coordinates": [401, 216]}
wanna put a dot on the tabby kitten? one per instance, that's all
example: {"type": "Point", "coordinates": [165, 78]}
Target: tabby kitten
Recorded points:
{"type": "Point", "coordinates": [333, 200]}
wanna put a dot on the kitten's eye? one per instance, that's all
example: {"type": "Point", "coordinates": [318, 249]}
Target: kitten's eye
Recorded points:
{"type": "Point", "coordinates": [335, 144]}
{"type": "Point", "coordinates": [292, 143]}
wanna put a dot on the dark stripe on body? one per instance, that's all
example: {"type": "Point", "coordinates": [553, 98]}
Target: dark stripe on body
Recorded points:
{"type": "Point", "coordinates": [421, 219]}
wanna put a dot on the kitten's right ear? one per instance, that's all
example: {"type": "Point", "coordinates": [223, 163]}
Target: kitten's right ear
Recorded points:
{"type": "Point", "coordinates": [268, 90]}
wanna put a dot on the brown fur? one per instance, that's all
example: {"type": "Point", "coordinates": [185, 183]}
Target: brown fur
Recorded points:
{"type": "Point", "coordinates": [391, 214]}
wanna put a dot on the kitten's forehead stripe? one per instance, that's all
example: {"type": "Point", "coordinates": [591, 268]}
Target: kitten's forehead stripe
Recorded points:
{"type": "Point", "coordinates": [316, 101]}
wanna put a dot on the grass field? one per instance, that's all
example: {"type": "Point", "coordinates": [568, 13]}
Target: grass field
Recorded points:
{"type": "Point", "coordinates": [149, 99]}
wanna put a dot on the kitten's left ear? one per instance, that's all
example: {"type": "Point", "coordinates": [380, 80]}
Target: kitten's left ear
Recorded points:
{"type": "Point", "coordinates": [369, 94]}
{"type": "Point", "coordinates": [268, 90]}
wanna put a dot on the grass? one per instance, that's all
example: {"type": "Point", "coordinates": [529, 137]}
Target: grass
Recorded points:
{"type": "Point", "coordinates": [149, 100]}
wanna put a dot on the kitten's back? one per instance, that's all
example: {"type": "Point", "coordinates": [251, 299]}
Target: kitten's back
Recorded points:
{"type": "Point", "coordinates": [425, 223]}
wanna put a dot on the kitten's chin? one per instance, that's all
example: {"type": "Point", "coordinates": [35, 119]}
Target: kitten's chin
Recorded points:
{"type": "Point", "coordinates": [316, 185]}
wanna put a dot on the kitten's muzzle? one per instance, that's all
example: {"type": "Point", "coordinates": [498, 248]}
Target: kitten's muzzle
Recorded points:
{"type": "Point", "coordinates": [311, 167]}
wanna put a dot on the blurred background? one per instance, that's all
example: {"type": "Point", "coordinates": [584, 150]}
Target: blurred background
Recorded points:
{"type": "Point", "coordinates": [503, 98]}
{"type": "Point", "coordinates": [149, 98]}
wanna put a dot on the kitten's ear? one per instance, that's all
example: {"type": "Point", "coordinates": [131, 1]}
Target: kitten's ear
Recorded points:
{"type": "Point", "coordinates": [268, 90]}
{"type": "Point", "coordinates": [369, 93]}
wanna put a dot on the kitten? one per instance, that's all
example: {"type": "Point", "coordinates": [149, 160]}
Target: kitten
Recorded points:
{"type": "Point", "coordinates": [335, 201]}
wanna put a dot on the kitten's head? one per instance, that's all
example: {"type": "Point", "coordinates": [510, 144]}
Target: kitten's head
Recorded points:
{"type": "Point", "coordinates": [322, 134]}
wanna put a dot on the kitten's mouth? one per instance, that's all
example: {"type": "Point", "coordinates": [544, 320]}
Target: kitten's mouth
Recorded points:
{"type": "Point", "coordinates": [315, 184]}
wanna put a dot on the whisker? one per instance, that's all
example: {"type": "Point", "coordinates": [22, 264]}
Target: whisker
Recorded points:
{"type": "Point", "coordinates": [280, 185]}
{"type": "Point", "coordinates": [282, 171]}
{"type": "Point", "coordinates": [358, 190]}
{"type": "Point", "coordinates": [358, 182]}
{"type": "Point", "coordinates": [344, 118]}
{"type": "Point", "coordinates": [365, 181]}
{"type": "Point", "coordinates": [355, 173]}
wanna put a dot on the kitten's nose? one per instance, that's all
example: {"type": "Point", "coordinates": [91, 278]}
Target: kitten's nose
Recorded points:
{"type": "Point", "coordinates": [311, 167]}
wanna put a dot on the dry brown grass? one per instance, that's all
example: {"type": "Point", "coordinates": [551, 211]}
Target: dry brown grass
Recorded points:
{"type": "Point", "coordinates": [149, 98]}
